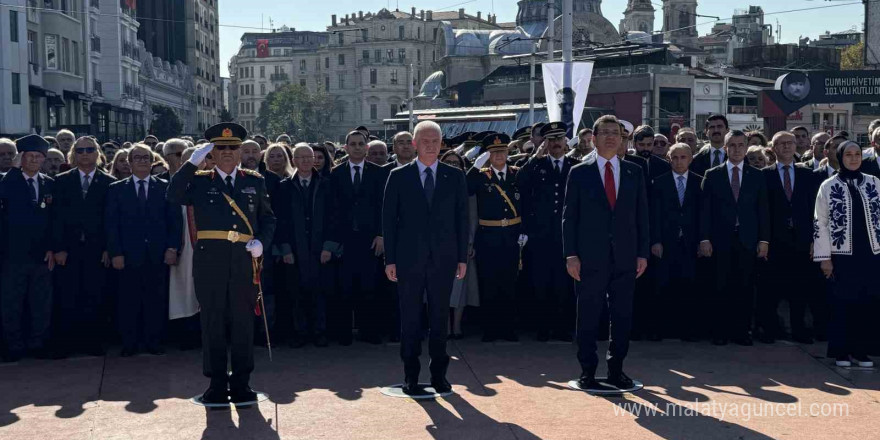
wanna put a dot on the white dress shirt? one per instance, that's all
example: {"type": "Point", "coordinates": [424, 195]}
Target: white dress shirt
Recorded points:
{"type": "Point", "coordinates": [423, 167]}
{"type": "Point", "coordinates": [712, 151]}
{"type": "Point", "coordinates": [83, 175]}
{"type": "Point", "coordinates": [503, 170]}
{"type": "Point", "coordinates": [675, 177]}
{"type": "Point", "coordinates": [146, 181]}
{"type": "Point", "coordinates": [223, 175]}
{"type": "Point", "coordinates": [351, 166]}
{"type": "Point", "coordinates": [615, 167]}
{"type": "Point", "coordinates": [782, 174]}
{"type": "Point", "coordinates": [730, 167]}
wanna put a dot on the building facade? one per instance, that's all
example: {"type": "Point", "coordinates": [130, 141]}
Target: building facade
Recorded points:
{"type": "Point", "coordinates": [166, 84]}
{"type": "Point", "coordinates": [16, 69]}
{"type": "Point", "coordinates": [638, 17]}
{"type": "Point", "coordinates": [680, 22]}
{"type": "Point", "coordinates": [203, 57]}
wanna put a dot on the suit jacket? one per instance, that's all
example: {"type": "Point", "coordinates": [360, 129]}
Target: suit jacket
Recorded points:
{"type": "Point", "coordinates": [641, 162]}
{"type": "Point", "coordinates": [870, 166]}
{"type": "Point", "coordinates": [820, 175]}
{"type": "Point", "coordinates": [543, 195]}
{"type": "Point", "coordinates": [348, 207]}
{"type": "Point", "coordinates": [672, 221]}
{"type": "Point", "coordinates": [77, 217]}
{"type": "Point", "coordinates": [416, 233]}
{"type": "Point", "coordinates": [27, 226]}
{"type": "Point", "coordinates": [703, 161]}
{"type": "Point", "coordinates": [595, 233]}
{"type": "Point", "coordinates": [791, 222]}
{"type": "Point", "coordinates": [719, 211]}
{"type": "Point", "coordinates": [129, 226]}
{"type": "Point", "coordinates": [656, 167]}
{"type": "Point", "coordinates": [300, 230]}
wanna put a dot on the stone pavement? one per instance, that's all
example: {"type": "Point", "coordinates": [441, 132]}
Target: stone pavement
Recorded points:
{"type": "Point", "coordinates": [504, 391]}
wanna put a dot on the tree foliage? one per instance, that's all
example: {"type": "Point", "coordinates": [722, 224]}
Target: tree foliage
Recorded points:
{"type": "Point", "coordinates": [853, 57]}
{"type": "Point", "coordinates": [225, 115]}
{"type": "Point", "coordinates": [293, 110]}
{"type": "Point", "coordinates": [166, 124]}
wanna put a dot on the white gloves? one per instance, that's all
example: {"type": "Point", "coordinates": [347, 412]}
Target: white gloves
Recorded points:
{"type": "Point", "coordinates": [523, 239]}
{"type": "Point", "coordinates": [254, 246]}
{"type": "Point", "coordinates": [481, 160]}
{"type": "Point", "coordinates": [200, 154]}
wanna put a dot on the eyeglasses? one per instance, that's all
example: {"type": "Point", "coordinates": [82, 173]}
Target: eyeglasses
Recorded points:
{"type": "Point", "coordinates": [85, 150]}
{"type": "Point", "coordinates": [140, 158]}
{"type": "Point", "coordinates": [224, 147]}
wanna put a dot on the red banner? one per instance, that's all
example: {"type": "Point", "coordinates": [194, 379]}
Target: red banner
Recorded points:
{"type": "Point", "coordinates": [262, 48]}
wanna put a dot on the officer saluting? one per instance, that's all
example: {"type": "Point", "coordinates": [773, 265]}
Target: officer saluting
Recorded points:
{"type": "Point", "coordinates": [496, 243]}
{"type": "Point", "coordinates": [235, 223]}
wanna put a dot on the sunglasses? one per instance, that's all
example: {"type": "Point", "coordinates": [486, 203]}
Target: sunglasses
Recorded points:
{"type": "Point", "coordinates": [225, 147]}
{"type": "Point", "coordinates": [85, 150]}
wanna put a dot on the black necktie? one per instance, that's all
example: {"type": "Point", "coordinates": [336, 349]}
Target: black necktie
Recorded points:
{"type": "Point", "coordinates": [142, 194]}
{"type": "Point", "coordinates": [32, 190]}
{"type": "Point", "coordinates": [357, 178]}
{"type": "Point", "coordinates": [85, 185]}
{"type": "Point", "coordinates": [717, 160]}
{"type": "Point", "coordinates": [429, 185]}
{"type": "Point", "coordinates": [229, 184]}
{"type": "Point", "coordinates": [556, 161]}
{"type": "Point", "coordinates": [501, 177]}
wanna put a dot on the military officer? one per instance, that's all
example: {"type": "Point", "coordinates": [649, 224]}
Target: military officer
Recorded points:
{"type": "Point", "coordinates": [235, 223]}
{"type": "Point", "coordinates": [542, 184]}
{"type": "Point", "coordinates": [496, 243]}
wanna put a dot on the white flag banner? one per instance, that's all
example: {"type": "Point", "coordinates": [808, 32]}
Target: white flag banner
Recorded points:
{"type": "Point", "coordinates": [581, 74]}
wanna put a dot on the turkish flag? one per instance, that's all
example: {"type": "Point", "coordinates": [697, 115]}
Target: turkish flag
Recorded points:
{"type": "Point", "coordinates": [262, 48]}
{"type": "Point", "coordinates": [132, 4]}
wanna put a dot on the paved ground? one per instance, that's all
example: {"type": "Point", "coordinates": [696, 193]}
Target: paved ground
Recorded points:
{"type": "Point", "coordinates": [503, 392]}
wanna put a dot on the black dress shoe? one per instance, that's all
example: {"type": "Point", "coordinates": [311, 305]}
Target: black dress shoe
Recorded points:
{"type": "Point", "coordinates": [620, 380]}
{"type": "Point", "coordinates": [12, 356]}
{"type": "Point", "coordinates": [95, 350]}
{"type": "Point", "coordinates": [655, 337]}
{"type": "Point", "coordinates": [591, 384]}
{"type": "Point", "coordinates": [690, 339]}
{"type": "Point", "coordinates": [458, 336]}
{"type": "Point", "coordinates": [42, 353]}
{"type": "Point", "coordinates": [156, 351]}
{"type": "Point", "coordinates": [744, 341]}
{"type": "Point", "coordinates": [411, 386]}
{"type": "Point", "coordinates": [242, 395]}
{"type": "Point", "coordinates": [320, 341]}
{"type": "Point", "coordinates": [511, 337]}
{"type": "Point", "coordinates": [298, 342]}
{"type": "Point", "coordinates": [802, 339]}
{"type": "Point", "coordinates": [215, 395]}
{"type": "Point", "coordinates": [488, 337]}
{"type": "Point", "coordinates": [394, 339]}
{"type": "Point", "coordinates": [441, 386]}
{"type": "Point", "coordinates": [562, 336]}
{"type": "Point", "coordinates": [719, 341]}
{"type": "Point", "coordinates": [543, 336]}
{"type": "Point", "coordinates": [766, 339]}
{"type": "Point", "coordinates": [127, 352]}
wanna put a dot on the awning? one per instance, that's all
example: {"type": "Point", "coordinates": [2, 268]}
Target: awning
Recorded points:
{"type": "Point", "coordinates": [37, 91]}
{"type": "Point", "coordinates": [79, 96]}
{"type": "Point", "coordinates": [55, 101]}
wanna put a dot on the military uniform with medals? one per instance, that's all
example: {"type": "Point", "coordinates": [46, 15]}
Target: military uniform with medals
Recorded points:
{"type": "Point", "coordinates": [496, 241]}
{"type": "Point", "coordinates": [229, 212]}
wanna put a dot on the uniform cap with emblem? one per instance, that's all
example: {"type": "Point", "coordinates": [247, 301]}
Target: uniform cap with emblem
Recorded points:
{"type": "Point", "coordinates": [482, 135]}
{"type": "Point", "coordinates": [554, 129]}
{"type": "Point", "coordinates": [468, 139]}
{"type": "Point", "coordinates": [32, 142]}
{"type": "Point", "coordinates": [523, 133]}
{"type": "Point", "coordinates": [536, 128]}
{"type": "Point", "coordinates": [496, 141]}
{"type": "Point", "coordinates": [226, 133]}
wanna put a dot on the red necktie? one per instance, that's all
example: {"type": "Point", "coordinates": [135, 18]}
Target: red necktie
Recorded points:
{"type": "Point", "coordinates": [610, 191]}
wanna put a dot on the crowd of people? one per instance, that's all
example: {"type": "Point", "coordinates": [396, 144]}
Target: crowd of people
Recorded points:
{"type": "Point", "coordinates": [95, 253]}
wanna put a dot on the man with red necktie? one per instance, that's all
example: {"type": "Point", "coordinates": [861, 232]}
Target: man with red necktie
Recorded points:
{"type": "Point", "coordinates": [606, 243]}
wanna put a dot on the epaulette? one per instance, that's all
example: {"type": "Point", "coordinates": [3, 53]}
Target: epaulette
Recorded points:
{"type": "Point", "coordinates": [250, 172]}
{"type": "Point", "coordinates": [484, 170]}
{"type": "Point", "coordinates": [513, 168]}
{"type": "Point", "coordinates": [204, 172]}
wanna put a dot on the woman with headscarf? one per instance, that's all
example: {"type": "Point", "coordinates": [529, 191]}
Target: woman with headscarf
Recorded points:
{"type": "Point", "coordinates": [846, 243]}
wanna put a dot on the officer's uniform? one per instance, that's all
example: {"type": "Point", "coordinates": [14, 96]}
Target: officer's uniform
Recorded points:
{"type": "Point", "coordinates": [542, 183]}
{"type": "Point", "coordinates": [27, 238]}
{"type": "Point", "coordinates": [496, 242]}
{"type": "Point", "coordinates": [222, 268]}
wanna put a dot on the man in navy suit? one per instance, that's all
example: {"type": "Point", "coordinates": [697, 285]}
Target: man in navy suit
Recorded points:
{"type": "Point", "coordinates": [734, 232]}
{"type": "Point", "coordinates": [425, 225]}
{"type": "Point", "coordinates": [605, 238]}
{"type": "Point", "coordinates": [143, 236]}
{"type": "Point", "coordinates": [713, 155]}
{"type": "Point", "coordinates": [675, 209]}
{"type": "Point", "coordinates": [27, 196]}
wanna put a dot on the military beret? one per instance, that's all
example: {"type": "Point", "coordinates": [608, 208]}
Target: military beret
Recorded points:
{"type": "Point", "coordinates": [32, 142]}
{"type": "Point", "coordinates": [226, 133]}
{"type": "Point", "coordinates": [554, 129]}
{"type": "Point", "coordinates": [496, 141]}
{"type": "Point", "coordinates": [523, 133]}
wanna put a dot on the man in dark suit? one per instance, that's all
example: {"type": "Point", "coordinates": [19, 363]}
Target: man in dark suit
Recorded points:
{"type": "Point", "coordinates": [830, 168]}
{"type": "Point", "coordinates": [716, 129]}
{"type": "Point", "coordinates": [425, 224]}
{"type": "Point", "coordinates": [675, 209]}
{"type": "Point", "coordinates": [791, 203]}
{"type": "Point", "coordinates": [301, 208]}
{"type": "Point", "coordinates": [817, 145]}
{"type": "Point", "coordinates": [643, 140]}
{"type": "Point", "coordinates": [871, 165]}
{"type": "Point", "coordinates": [27, 197]}
{"type": "Point", "coordinates": [605, 238]}
{"type": "Point", "coordinates": [355, 228]}
{"type": "Point", "coordinates": [80, 252]}
{"type": "Point", "coordinates": [734, 230]}
{"type": "Point", "coordinates": [541, 182]}
{"type": "Point", "coordinates": [143, 235]}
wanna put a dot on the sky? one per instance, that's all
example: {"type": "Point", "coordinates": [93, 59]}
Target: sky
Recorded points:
{"type": "Point", "coordinates": [240, 16]}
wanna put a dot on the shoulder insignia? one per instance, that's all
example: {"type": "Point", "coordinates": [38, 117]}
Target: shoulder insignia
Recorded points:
{"type": "Point", "coordinates": [250, 172]}
{"type": "Point", "coordinates": [204, 172]}
{"type": "Point", "coordinates": [484, 170]}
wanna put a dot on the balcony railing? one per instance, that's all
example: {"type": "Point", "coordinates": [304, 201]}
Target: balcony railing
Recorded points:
{"type": "Point", "coordinates": [382, 62]}
{"type": "Point", "coordinates": [131, 91]}
{"type": "Point", "coordinates": [279, 77]}
{"type": "Point", "coordinates": [97, 87]}
{"type": "Point", "coordinates": [130, 50]}
{"type": "Point", "coordinates": [95, 43]}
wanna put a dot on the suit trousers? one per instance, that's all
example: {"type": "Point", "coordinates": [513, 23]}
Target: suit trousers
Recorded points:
{"type": "Point", "coordinates": [734, 290]}
{"type": "Point", "coordinates": [77, 321]}
{"type": "Point", "coordinates": [676, 303]}
{"type": "Point", "coordinates": [613, 286]}
{"type": "Point", "coordinates": [786, 277]}
{"type": "Point", "coordinates": [25, 284]}
{"type": "Point", "coordinates": [434, 281]}
{"type": "Point", "coordinates": [497, 255]}
{"type": "Point", "coordinates": [358, 294]}
{"type": "Point", "coordinates": [553, 288]}
{"type": "Point", "coordinates": [142, 304]}
{"type": "Point", "coordinates": [309, 300]}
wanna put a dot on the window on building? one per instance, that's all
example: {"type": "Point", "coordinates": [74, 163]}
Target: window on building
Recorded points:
{"type": "Point", "coordinates": [75, 58]}
{"type": "Point", "coordinates": [327, 62]}
{"type": "Point", "coordinates": [242, 108]}
{"type": "Point", "coordinates": [13, 26]}
{"type": "Point", "coordinates": [250, 74]}
{"type": "Point", "coordinates": [302, 82]}
{"type": "Point", "coordinates": [341, 59]}
{"type": "Point", "coordinates": [435, 35]}
{"type": "Point", "coordinates": [377, 54]}
{"type": "Point", "coordinates": [262, 71]}
{"type": "Point", "coordinates": [374, 111]}
{"type": "Point", "coordinates": [394, 76]}
{"type": "Point", "coordinates": [419, 33]}
{"type": "Point", "coordinates": [16, 88]}
{"type": "Point", "coordinates": [401, 31]}
{"type": "Point", "coordinates": [302, 65]}
{"type": "Point", "coordinates": [241, 90]}
{"type": "Point", "coordinates": [365, 34]}
{"type": "Point", "coordinates": [65, 54]}
{"type": "Point", "coordinates": [327, 83]}
{"type": "Point", "coordinates": [366, 55]}
{"type": "Point", "coordinates": [341, 38]}
{"type": "Point", "coordinates": [392, 110]}
{"type": "Point", "coordinates": [401, 55]}
{"type": "Point", "coordinates": [262, 89]}
{"type": "Point", "coordinates": [418, 55]}
{"type": "Point", "coordinates": [373, 76]}
{"type": "Point", "coordinates": [32, 47]}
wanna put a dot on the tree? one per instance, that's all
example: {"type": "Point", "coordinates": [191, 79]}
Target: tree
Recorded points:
{"type": "Point", "coordinates": [225, 115]}
{"type": "Point", "coordinates": [166, 124]}
{"type": "Point", "coordinates": [293, 110]}
{"type": "Point", "coordinates": [853, 57]}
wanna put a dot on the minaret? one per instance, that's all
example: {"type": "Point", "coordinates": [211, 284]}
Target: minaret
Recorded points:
{"type": "Point", "coordinates": [679, 22]}
{"type": "Point", "coordinates": [638, 16]}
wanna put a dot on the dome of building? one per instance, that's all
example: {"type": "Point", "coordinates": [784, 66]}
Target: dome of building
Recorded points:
{"type": "Point", "coordinates": [469, 42]}
{"type": "Point", "coordinates": [433, 85]}
{"type": "Point", "coordinates": [504, 42]}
